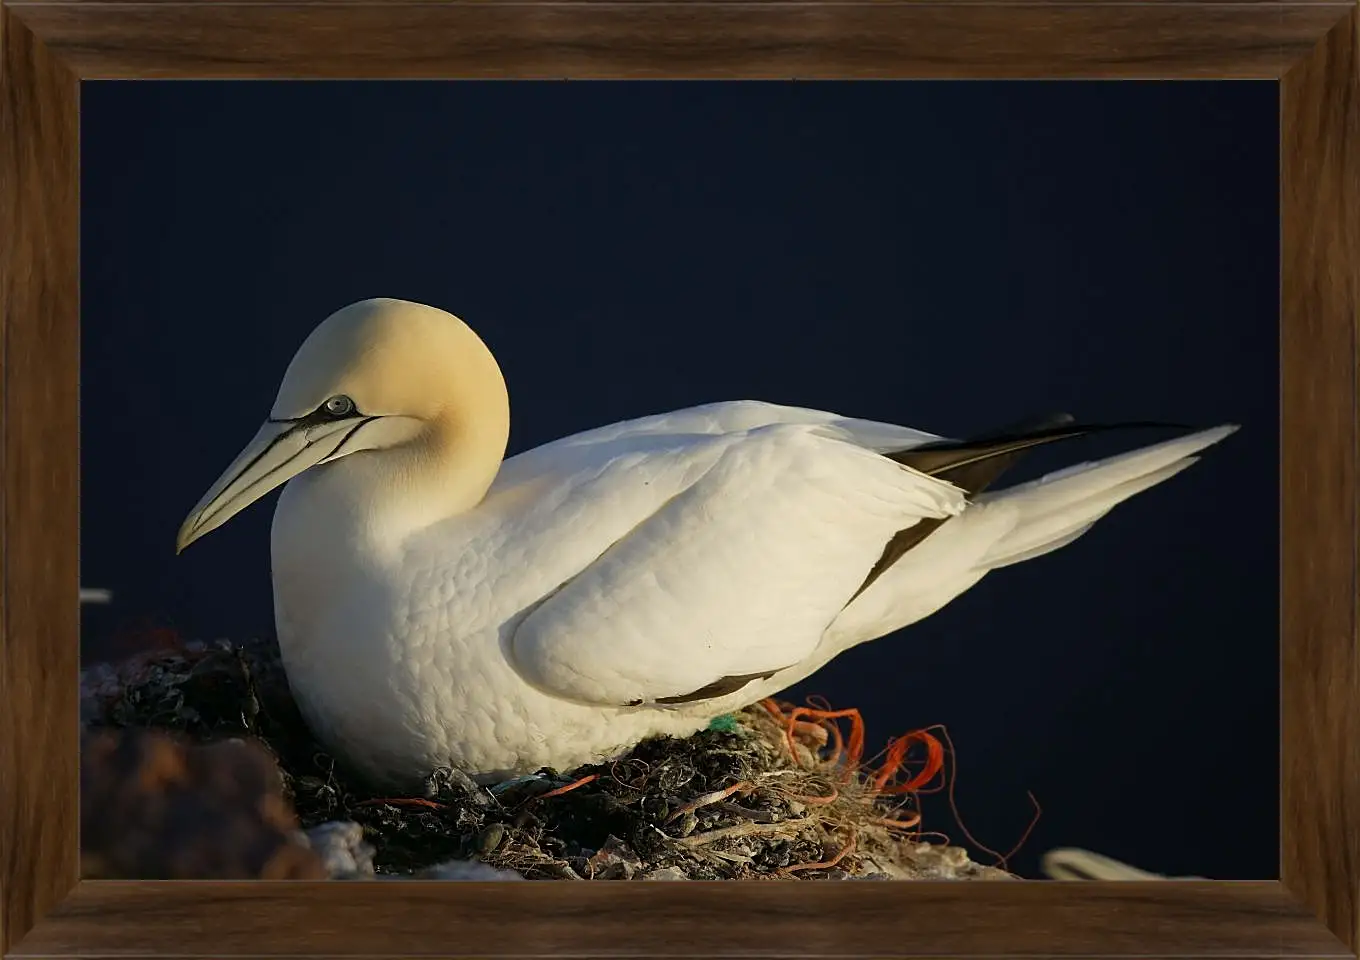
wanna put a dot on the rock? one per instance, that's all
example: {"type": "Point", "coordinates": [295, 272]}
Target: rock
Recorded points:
{"type": "Point", "coordinates": [341, 846]}
{"type": "Point", "coordinates": [490, 838]}
{"type": "Point", "coordinates": [154, 807]}
{"type": "Point", "coordinates": [446, 782]}
{"type": "Point", "coordinates": [665, 873]}
{"type": "Point", "coordinates": [613, 861]}
{"type": "Point", "coordinates": [929, 861]}
{"type": "Point", "coordinates": [466, 870]}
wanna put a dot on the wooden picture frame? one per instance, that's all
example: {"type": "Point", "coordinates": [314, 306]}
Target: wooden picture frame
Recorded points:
{"type": "Point", "coordinates": [1313, 49]}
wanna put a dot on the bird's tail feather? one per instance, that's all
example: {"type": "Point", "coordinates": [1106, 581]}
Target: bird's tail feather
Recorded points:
{"type": "Point", "coordinates": [923, 569]}
{"type": "Point", "coordinates": [1059, 507]}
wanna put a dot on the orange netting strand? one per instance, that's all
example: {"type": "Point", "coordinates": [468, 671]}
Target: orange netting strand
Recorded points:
{"type": "Point", "coordinates": [849, 755]}
{"type": "Point", "coordinates": [896, 757]}
{"type": "Point", "coordinates": [843, 753]}
{"type": "Point", "coordinates": [575, 784]}
{"type": "Point", "coordinates": [827, 864]}
{"type": "Point", "coordinates": [908, 822]}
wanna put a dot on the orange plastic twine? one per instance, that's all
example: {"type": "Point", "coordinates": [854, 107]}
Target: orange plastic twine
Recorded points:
{"type": "Point", "coordinates": [897, 754]}
{"type": "Point", "coordinates": [821, 721]}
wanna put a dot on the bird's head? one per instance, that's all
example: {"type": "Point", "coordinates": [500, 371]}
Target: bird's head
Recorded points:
{"type": "Point", "coordinates": [376, 375]}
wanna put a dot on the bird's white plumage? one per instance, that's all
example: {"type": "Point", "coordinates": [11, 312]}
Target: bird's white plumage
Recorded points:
{"type": "Point", "coordinates": [674, 541]}
{"type": "Point", "coordinates": [563, 604]}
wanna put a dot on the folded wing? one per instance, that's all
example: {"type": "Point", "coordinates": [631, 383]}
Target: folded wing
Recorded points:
{"type": "Point", "coordinates": [734, 574]}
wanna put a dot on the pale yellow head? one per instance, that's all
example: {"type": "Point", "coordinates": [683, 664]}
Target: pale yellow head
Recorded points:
{"type": "Point", "coordinates": [381, 378]}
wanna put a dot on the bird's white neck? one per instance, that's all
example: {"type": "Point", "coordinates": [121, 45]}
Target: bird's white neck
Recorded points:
{"type": "Point", "coordinates": [443, 472]}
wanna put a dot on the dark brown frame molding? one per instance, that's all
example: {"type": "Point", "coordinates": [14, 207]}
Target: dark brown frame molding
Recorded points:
{"type": "Point", "coordinates": [1313, 49]}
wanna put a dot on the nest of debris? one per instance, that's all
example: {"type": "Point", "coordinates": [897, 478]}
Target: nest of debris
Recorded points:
{"type": "Point", "coordinates": [774, 792]}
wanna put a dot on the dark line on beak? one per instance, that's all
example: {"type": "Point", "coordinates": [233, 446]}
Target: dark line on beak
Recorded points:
{"type": "Point", "coordinates": [336, 452]}
{"type": "Point", "coordinates": [270, 446]}
{"type": "Point", "coordinates": [300, 424]}
{"type": "Point", "coordinates": [300, 450]}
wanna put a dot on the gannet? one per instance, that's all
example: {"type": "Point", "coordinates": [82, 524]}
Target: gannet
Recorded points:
{"type": "Point", "coordinates": [1073, 863]}
{"type": "Point", "coordinates": [439, 605]}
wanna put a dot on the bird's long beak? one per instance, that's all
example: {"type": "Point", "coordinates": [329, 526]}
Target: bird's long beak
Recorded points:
{"type": "Point", "coordinates": [280, 451]}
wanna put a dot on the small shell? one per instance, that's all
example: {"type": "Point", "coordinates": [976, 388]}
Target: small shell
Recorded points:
{"type": "Point", "coordinates": [490, 838]}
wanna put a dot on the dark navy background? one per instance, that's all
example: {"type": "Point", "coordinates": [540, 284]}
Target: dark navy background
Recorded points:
{"type": "Point", "coordinates": [947, 256]}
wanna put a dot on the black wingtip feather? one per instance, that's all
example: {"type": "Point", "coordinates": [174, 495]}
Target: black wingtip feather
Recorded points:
{"type": "Point", "coordinates": [976, 463]}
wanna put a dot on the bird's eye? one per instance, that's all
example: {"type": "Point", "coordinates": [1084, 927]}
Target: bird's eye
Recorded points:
{"type": "Point", "coordinates": [341, 406]}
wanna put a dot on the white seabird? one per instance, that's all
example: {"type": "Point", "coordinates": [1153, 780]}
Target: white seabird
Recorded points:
{"type": "Point", "coordinates": [438, 605]}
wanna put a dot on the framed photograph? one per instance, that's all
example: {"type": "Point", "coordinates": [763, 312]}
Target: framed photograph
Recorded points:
{"type": "Point", "coordinates": [999, 261]}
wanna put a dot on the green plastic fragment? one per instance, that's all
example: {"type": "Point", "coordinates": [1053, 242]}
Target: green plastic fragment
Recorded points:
{"type": "Point", "coordinates": [727, 723]}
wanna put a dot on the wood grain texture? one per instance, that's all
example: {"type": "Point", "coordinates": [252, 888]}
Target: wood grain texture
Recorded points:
{"type": "Point", "coordinates": [39, 365]}
{"type": "Point", "coordinates": [762, 4]}
{"type": "Point", "coordinates": [679, 919]}
{"type": "Point", "coordinates": [1320, 659]}
{"type": "Point", "coordinates": [45, 46]}
{"type": "Point", "coordinates": [662, 39]}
